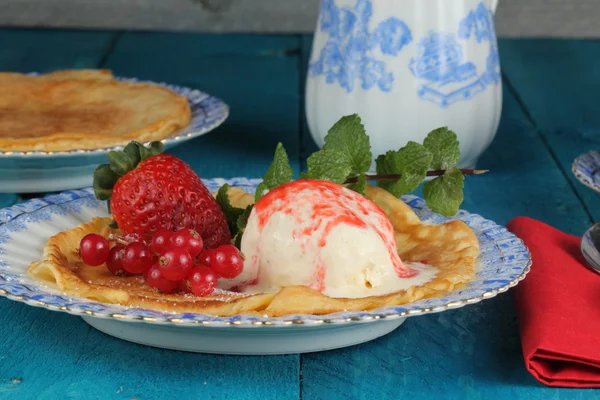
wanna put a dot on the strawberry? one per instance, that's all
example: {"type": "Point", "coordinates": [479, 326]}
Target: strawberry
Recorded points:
{"type": "Point", "coordinates": [148, 191]}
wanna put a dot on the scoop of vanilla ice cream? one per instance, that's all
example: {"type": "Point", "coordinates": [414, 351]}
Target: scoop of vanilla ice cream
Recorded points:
{"type": "Point", "coordinates": [321, 235]}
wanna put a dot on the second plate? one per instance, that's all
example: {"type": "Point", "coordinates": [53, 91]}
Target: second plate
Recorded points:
{"type": "Point", "coordinates": [38, 172]}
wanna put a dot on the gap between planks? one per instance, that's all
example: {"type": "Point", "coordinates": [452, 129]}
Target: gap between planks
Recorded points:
{"type": "Point", "coordinates": [549, 148]}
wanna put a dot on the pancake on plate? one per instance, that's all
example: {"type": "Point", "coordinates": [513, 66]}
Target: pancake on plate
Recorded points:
{"type": "Point", "coordinates": [452, 248]}
{"type": "Point", "coordinates": [84, 109]}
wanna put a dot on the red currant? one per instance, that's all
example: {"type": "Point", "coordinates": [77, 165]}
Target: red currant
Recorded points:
{"type": "Point", "coordinates": [136, 258]}
{"type": "Point", "coordinates": [161, 239]}
{"type": "Point", "coordinates": [202, 281]}
{"type": "Point", "coordinates": [227, 261]}
{"type": "Point", "coordinates": [93, 249]}
{"type": "Point", "coordinates": [175, 263]}
{"type": "Point", "coordinates": [154, 278]}
{"type": "Point", "coordinates": [204, 257]}
{"type": "Point", "coordinates": [188, 239]}
{"type": "Point", "coordinates": [115, 260]}
{"type": "Point", "coordinates": [184, 286]}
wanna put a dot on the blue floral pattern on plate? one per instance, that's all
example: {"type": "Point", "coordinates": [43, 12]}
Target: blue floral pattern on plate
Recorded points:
{"type": "Point", "coordinates": [586, 168]}
{"type": "Point", "coordinates": [348, 54]}
{"type": "Point", "coordinates": [207, 113]}
{"type": "Point", "coordinates": [503, 262]}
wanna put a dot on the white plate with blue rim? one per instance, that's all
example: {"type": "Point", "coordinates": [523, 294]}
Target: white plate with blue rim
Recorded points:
{"type": "Point", "coordinates": [586, 168]}
{"type": "Point", "coordinates": [39, 171]}
{"type": "Point", "coordinates": [24, 229]}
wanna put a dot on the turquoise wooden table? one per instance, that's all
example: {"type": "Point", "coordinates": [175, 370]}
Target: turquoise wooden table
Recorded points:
{"type": "Point", "coordinates": [550, 115]}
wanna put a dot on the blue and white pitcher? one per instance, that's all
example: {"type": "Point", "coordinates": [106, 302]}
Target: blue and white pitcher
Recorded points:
{"type": "Point", "coordinates": [407, 67]}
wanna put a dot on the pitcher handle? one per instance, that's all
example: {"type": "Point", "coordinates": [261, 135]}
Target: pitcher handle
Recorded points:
{"type": "Point", "coordinates": [494, 6]}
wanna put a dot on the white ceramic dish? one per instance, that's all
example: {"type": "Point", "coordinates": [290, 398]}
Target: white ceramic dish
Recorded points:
{"type": "Point", "coordinates": [25, 228]}
{"type": "Point", "coordinates": [407, 67]}
{"type": "Point", "coordinates": [38, 172]}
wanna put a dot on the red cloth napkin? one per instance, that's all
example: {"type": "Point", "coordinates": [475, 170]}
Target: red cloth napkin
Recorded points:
{"type": "Point", "coordinates": [558, 307]}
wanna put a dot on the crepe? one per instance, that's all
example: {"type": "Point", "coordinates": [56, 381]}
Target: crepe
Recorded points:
{"type": "Point", "coordinates": [450, 247]}
{"type": "Point", "coordinates": [84, 109]}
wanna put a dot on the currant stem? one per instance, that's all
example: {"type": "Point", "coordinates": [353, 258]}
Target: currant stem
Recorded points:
{"type": "Point", "coordinates": [395, 177]}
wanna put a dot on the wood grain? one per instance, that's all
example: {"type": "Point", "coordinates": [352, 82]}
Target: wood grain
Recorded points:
{"type": "Point", "coordinates": [560, 88]}
{"type": "Point", "coordinates": [515, 18]}
{"type": "Point", "coordinates": [58, 356]}
{"type": "Point", "coordinates": [8, 199]}
{"type": "Point", "coordinates": [48, 50]}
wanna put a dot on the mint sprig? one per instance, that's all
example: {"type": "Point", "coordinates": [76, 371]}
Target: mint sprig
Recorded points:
{"type": "Point", "coordinates": [360, 186]}
{"type": "Point", "coordinates": [346, 153]}
{"type": "Point", "coordinates": [410, 162]}
{"type": "Point", "coordinates": [329, 165]}
{"type": "Point", "coordinates": [443, 145]}
{"type": "Point", "coordinates": [236, 217]}
{"type": "Point", "coordinates": [444, 194]}
{"type": "Point", "coordinates": [348, 136]}
{"type": "Point", "coordinates": [279, 172]}
{"type": "Point", "coordinates": [231, 213]}
{"type": "Point", "coordinates": [345, 159]}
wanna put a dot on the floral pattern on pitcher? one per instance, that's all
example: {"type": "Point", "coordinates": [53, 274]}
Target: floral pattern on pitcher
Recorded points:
{"type": "Point", "coordinates": [349, 53]}
{"type": "Point", "coordinates": [441, 63]}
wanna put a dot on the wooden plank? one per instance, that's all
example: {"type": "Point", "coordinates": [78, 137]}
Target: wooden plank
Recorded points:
{"type": "Point", "coordinates": [559, 84]}
{"type": "Point", "coordinates": [45, 50]}
{"type": "Point", "coordinates": [256, 75]}
{"type": "Point", "coordinates": [515, 18]}
{"type": "Point", "coordinates": [8, 199]}
{"type": "Point", "coordinates": [473, 352]}
{"type": "Point", "coordinates": [46, 355]}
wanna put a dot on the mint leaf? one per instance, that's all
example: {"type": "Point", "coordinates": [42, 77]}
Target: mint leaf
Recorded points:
{"type": "Point", "coordinates": [444, 194]}
{"type": "Point", "coordinates": [279, 172]}
{"type": "Point", "coordinates": [242, 221]}
{"type": "Point", "coordinates": [329, 165]}
{"type": "Point", "coordinates": [231, 213]}
{"type": "Point", "coordinates": [443, 145]}
{"type": "Point", "coordinates": [360, 186]}
{"type": "Point", "coordinates": [411, 162]}
{"type": "Point", "coordinates": [348, 136]}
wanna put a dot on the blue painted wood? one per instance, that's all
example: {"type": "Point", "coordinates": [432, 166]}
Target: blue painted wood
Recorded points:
{"type": "Point", "coordinates": [470, 353]}
{"type": "Point", "coordinates": [561, 100]}
{"type": "Point", "coordinates": [41, 50]}
{"type": "Point", "coordinates": [473, 352]}
{"type": "Point", "coordinates": [47, 356]}
{"type": "Point", "coordinates": [256, 75]}
{"type": "Point", "coordinates": [558, 80]}
{"type": "Point", "coordinates": [8, 199]}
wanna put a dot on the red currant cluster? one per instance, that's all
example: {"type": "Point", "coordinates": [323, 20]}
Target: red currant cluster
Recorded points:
{"type": "Point", "coordinates": [173, 261]}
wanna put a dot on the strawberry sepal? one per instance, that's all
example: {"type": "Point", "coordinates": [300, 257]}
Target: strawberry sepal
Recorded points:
{"type": "Point", "coordinates": [120, 163]}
